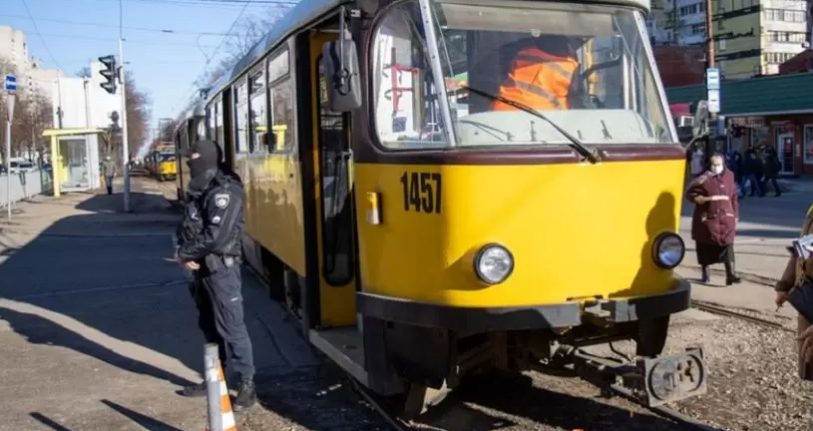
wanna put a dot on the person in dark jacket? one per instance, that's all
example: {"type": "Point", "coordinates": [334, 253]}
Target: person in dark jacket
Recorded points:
{"type": "Point", "coordinates": [771, 171]}
{"type": "Point", "coordinates": [753, 173]}
{"type": "Point", "coordinates": [209, 245]}
{"type": "Point", "coordinates": [108, 172]}
{"type": "Point", "coordinates": [714, 222]}
{"type": "Point", "coordinates": [734, 164]}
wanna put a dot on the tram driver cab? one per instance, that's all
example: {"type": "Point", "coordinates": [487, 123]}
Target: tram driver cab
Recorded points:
{"type": "Point", "coordinates": [586, 68]}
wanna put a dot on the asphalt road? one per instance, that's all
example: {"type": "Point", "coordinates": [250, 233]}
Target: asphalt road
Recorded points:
{"type": "Point", "coordinates": [98, 330]}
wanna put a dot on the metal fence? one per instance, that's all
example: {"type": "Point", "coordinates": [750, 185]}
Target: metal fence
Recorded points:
{"type": "Point", "coordinates": [24, 185]}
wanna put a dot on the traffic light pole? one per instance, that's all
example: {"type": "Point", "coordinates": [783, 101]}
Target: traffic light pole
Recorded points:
{"type": "Point", "coordinates": [125, 148]}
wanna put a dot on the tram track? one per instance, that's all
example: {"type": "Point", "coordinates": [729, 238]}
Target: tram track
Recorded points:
{"type": "Point", "coordinates": [399, 424]}
{"type": "Point", "coordinates": [727, 312]}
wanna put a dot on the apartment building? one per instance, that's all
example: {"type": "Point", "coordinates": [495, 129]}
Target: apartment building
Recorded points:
{"type": "Point", "coordinates": [31, 76]}
{"type": "Point", "coordinates": [752, 37]}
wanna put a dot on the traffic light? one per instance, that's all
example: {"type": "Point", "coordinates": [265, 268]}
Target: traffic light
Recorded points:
{"type": "Point", "coordinates": [109, 72]}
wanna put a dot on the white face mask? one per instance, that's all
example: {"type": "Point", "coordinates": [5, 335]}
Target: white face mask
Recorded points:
{"type": "Point", "coordinates": [717, 170]}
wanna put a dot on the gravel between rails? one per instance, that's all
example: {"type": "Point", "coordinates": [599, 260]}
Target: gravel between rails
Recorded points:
{"type": "Point", "coordinates": [753, 381]}
{"type": "Point", "coordinates": [753, 385]}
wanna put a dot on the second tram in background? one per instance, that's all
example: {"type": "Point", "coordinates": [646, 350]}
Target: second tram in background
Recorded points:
{"type": "Point", "coordinates": [422, 226]}
{"type": "Point", "coordinates": [162, 163]}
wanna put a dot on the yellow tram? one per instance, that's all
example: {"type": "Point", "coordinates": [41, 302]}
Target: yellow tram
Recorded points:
{"type": "Point", "coordinates": [419, 234]}
{"type": "Point", "coordinates": [162, 163]}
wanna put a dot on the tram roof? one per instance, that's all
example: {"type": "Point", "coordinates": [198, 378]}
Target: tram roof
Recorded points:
{"type": "Point", "coordinates": [305, 12]}
{"type": "Point", "coordinates": [299, 16]}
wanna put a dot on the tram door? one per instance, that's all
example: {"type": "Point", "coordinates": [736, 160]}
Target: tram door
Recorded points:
{"type": "Point", "coordinates": [334, 199]}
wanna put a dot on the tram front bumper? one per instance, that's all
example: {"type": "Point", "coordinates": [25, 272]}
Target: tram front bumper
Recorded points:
{"type": "Point", "coordinates": [562, 315]}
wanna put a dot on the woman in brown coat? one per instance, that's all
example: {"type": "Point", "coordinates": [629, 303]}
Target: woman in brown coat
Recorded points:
{"type": "Point", "coordinates": [714, 222]}
{"type": "Point", "coordinates": [794, 276]}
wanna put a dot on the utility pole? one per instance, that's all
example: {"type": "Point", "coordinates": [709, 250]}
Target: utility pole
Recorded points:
{"type": "Point", "coordinates": [10, 85]}
{"type": "Point", "coordinates": [125, 149]}
{"type": "Point", "coordinates": [712, 82]}
{"type": "Point", "coordinates": [709, 36]}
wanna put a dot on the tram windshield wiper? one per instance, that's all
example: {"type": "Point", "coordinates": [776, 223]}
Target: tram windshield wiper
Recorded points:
{"type": "Point", "coordinates": [591, 156]}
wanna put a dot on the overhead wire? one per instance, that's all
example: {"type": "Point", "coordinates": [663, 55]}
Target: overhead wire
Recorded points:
{"type": "Point", "coordinates": [39, 34]}
{"type": "Point", "coordinates": [102, 25]}
{"type": "Point", "coordinates": [218, 3]}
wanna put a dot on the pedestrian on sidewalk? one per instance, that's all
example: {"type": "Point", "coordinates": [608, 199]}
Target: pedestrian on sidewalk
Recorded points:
{"type": "Point", "coordinates": [797, 271]}
{"type": "Point", "coordinates": [753, 173]}
{"type": "Point", "coordinates": [714, 222]}
{"type": "Point", "coordinates": [697, 163]}
{"type": "Point", "coordinates": [108, 172]}
{"type": "Point", "coordinates": [209, 245]}
{"type": "Point", "coordinates": [734, 164]}
{"type": "Point", "coordinates": [771, 171]}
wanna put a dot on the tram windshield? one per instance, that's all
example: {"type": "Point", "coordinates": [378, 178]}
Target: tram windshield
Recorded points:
{"type": "Point", "coordinates": [587, 68]}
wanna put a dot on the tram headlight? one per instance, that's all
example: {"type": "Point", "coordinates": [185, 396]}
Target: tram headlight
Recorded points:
{"type": "Point", "coordinates": [668, 250]}
{"type": "Point", "coordinates": [493, 264]}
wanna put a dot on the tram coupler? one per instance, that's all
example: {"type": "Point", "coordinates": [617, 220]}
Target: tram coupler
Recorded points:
{"type": "Point", "coordinates": [649, 381]}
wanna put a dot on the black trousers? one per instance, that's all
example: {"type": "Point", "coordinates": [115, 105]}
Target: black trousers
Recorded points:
{"type": "Point", "coordinates": [773, 181]}
{"type": "Point", "coordinates": [219, 300]}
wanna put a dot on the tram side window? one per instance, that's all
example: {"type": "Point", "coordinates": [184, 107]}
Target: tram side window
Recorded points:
{"type": "Point", "coordinates": [219, 135]}
{"type": "Point", "coordinates": [406, 100]}
{"type": "Point", "coordinates": [282, 102]}
{"type": "Point", "coordinates": [210, 121]}
{"type": "Point", "coordinates": [241, 118]}
{"type": "Point", "coordinates": [257, 111]}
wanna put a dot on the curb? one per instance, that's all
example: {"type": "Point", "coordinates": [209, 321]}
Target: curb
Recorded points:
{"type": "Point", "coordinates": [747, 276]}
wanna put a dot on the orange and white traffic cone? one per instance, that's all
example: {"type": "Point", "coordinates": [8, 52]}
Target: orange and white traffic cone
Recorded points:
{"type": "Point", "coordinates": [221, 416]}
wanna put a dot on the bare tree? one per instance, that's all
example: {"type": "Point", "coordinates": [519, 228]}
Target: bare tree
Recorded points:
{"type": "Point", "coordinates": [138, 114]}
{"type": "Point", "coordinates": [245, 34]}
{"type": "Point", "coordinates": [32, 115]}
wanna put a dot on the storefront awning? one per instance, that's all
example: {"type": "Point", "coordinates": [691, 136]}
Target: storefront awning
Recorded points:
{"type": "Point", "coordinates": [774, 95]}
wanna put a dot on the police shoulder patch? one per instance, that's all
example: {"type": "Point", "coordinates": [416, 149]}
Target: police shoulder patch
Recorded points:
{"type": "Point", "coordinates": [222, 200]}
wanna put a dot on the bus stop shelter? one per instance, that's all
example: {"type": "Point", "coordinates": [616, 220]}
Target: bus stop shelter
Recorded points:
{"type": "Point", "coordinates": [74, 159]}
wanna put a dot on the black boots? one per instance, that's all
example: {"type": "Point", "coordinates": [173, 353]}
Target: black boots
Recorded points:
{"type": "Point", "coordinates": [704, 274]}
{"type": "Point", "coordinates": [246, 395]}
{"type": "Point", "coordinates": [730, 276]}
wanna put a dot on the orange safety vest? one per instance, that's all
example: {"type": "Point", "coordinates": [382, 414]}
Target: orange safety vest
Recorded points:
{"type": "Point", "coordinates": [538, 80]}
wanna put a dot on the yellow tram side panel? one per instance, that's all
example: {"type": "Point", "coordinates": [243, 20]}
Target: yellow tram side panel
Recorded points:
{"type": "Point", "coordinates": [273, 205]}
{"type": "Point", "coordinates": [575, 231]}
{"type": "Point", "coordinates": [337, 303]}
{"type": "Point", "coordinates": [182, 177]}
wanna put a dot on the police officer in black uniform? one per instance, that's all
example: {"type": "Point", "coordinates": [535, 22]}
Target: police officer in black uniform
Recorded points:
{"type": "Point", "coordinates": [209, 245]}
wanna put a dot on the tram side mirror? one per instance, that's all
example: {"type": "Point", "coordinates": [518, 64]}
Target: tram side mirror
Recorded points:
{"type": "Point", "coordinates": [342, 75]}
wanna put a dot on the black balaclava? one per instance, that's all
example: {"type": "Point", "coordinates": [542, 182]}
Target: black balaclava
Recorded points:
{"type": "Point", "coordinates": [204, 159]}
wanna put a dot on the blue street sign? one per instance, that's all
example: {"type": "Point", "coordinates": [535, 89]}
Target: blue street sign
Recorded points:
{"type": "Point", "coordinates": [11, 83]}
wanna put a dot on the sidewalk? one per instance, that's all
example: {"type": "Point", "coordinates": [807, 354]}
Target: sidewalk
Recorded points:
{"type": "Point", "coordinates": [766, 228]}
{"type": "Point", "coordinates": [98, 330]}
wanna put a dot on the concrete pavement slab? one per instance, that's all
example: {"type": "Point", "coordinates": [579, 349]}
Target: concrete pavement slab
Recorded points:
{"type": "Point", "coordinates": [98, 330]}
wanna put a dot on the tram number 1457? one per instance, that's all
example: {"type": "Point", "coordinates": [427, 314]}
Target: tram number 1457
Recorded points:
{"type": "Point", "coordinates": [421, 192]}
